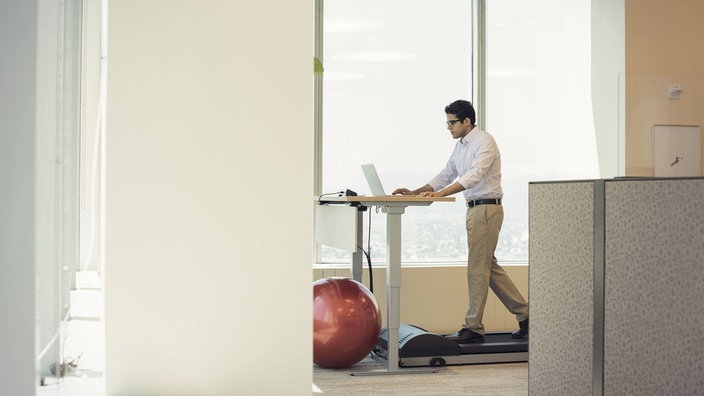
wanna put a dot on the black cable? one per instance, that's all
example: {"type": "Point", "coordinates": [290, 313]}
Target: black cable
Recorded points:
{"type": "Point", "coordinates": [371, 277]}
{"type": "Point", "coordinates": [368, 254]}
{"type": "Point", "coordinates": [338, 193]}
{"type": "Point", "coordinates": [371, 273]}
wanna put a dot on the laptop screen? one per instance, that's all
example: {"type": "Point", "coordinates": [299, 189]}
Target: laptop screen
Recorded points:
{"type": "Point", "coordinates": [373, 180]}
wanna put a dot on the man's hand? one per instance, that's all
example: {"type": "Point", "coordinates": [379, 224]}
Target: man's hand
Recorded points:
{"type": "Point", "coordinates": [403, 191]}
{"type": "Point", "coordinates": [431, 194]}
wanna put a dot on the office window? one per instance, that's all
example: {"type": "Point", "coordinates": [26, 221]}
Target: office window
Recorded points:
{"type": "Point", "coordinates": [391, 67]}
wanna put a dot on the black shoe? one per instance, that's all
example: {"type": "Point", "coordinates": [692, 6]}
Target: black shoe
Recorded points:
{"type": "Point", "coordinates": [466, 336]}
{"type": "Point", "coordinates": [522, 329]}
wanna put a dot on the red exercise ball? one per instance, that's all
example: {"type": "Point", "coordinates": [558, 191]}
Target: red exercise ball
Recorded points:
{"type": "Point", "coordinates": [346, 322]}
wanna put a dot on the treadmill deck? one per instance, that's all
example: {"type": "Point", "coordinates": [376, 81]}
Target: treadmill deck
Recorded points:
{"type": "Point", "coordinates": [418, 347]}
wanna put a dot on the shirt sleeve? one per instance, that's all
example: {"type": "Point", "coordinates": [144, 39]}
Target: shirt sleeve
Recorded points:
{"type": "Point", "coordinates": [445, 177]}
{"type": "Point", "coordinates": [481, 162]}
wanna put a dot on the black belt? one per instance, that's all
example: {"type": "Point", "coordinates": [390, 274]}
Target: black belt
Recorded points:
{"type": "Point", "coordinates": [495, 201]}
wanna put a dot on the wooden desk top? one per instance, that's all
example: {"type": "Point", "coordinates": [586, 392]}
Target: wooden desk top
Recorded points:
{"type": "Point", "coordinates": [384, 199]}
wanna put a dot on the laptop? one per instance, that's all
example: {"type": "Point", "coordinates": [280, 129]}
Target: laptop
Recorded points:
{"type": "Point", "coordinates": [373, 180]}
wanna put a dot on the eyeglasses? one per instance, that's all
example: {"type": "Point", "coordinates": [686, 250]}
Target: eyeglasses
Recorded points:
{"type": "Point", "coordinates": [451, 123]}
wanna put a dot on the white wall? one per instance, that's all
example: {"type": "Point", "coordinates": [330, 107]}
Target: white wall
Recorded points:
{"type": "Point", "coordinates": [209, 172]}
{"type": "Point", "coordinates": [18, 43]}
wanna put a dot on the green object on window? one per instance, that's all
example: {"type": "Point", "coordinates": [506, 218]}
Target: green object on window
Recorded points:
{"type": "Point", "coordinates": [317, 66]}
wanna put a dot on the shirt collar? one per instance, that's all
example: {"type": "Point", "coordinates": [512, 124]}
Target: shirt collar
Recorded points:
{"type": "Point", "coordinates": [468, 133]}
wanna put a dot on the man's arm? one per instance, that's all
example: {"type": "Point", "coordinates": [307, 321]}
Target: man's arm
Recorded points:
{"type": "Point", "coordinates": [453, 188]}
{"type": "Point", "coordinates": [419, 190]}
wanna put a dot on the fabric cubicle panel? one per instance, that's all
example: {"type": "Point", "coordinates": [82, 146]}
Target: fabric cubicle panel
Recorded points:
{"type": "Point", "coordinates": [561, 288]}
{"type": "Point", "coordinates": [616, 275]}
{"type": "Point", "coordinates": [654, 287]}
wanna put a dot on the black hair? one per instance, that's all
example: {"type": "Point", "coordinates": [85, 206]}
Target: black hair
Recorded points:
{"type": "Point", "coordinates": [462, 109]}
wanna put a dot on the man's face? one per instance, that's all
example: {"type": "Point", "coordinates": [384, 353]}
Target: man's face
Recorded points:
{"type": "Point", "coordinates": [458, 128]}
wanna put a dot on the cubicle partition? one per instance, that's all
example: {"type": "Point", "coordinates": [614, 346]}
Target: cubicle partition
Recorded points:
{"type": "Point", "coordinates": [617, 287]}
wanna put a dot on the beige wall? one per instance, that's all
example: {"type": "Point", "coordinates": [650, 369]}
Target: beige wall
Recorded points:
{"type": "Point", "coordinates": [435, 298]}
{"type": "Point", "coordinates": [663, 47]}
{"type": "Point", "coordinates": [664, 37]}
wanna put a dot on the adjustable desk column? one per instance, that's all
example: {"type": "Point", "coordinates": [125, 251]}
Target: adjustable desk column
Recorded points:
{"type": "Point", "coordinates": [393, 280]}
{"type": "Point", "coordinates": [357, 257]}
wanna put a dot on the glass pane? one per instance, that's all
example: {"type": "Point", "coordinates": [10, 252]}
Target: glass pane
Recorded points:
{"type": "Point", "coordinates": [538, 102]}
{"type": "Point", "coordinates": [390, 68]}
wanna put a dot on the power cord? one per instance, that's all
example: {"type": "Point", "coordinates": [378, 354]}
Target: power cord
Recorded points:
{"type": "Point", "coordinates": [369, 264]}
{"type": "Point", "coordinates": [368, 253]}
{"type": "Point", "coordinates": [338, 193]}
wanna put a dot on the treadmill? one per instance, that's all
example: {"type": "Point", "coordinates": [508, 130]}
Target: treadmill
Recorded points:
{"type": "Point", "coordinates": [419, 347]}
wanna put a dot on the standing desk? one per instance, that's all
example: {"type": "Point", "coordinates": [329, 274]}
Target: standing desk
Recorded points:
{"type": "Point", "coordinates": [346, 210]}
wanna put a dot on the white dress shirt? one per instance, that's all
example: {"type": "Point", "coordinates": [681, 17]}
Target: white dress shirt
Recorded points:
{"type": "Point", "coordinates": [475, 163]}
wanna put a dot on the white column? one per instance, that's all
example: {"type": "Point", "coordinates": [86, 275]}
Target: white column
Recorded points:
{"type": "Point", "coordinates": [209, 216]}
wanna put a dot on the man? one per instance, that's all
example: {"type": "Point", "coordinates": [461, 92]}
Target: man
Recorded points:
{"type": "Point", "coordinates": [475, 168]}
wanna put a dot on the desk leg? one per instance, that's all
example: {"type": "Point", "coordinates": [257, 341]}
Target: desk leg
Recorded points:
{"type": "Point", "coordinates": [393, 287]}
{"type": "Point", "coordinates": [357, 255]}
{"type": "Point", "coordinates": [393, 281]}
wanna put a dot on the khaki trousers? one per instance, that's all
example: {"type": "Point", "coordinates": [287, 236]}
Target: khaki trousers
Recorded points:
{"type": "Point", "coordinates": [483, 227]}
